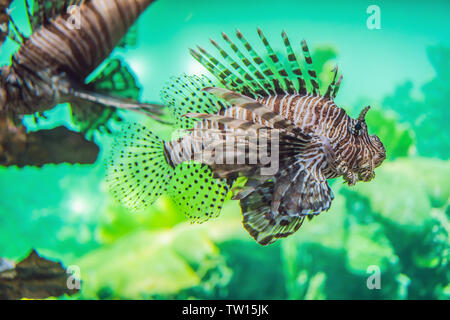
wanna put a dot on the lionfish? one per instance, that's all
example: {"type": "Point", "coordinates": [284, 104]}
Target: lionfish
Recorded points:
{"type": "Point", "coordinates": [4, 19]}
{"type": "Point", "coordinates": [70, 39]}
{"type": "Point", "coordinates": [262, 99]}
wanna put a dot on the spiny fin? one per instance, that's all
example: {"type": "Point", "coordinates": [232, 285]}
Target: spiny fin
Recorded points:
{"type": "Point", "coordinates": [184, 95]}
{"type": "Point", "coordinates": [311, 72]}
{"type": "Point", "coordinates": [300, 191]}
{"type": "Point", "coordinates": [331, 87]}
{"type": "Point", "coordinates": [279, 71]}
{"type": "Point", "coordinates": [255, 76]}
{"type": "Point", "coordinates": [96, 106]}
{"type": "Point", "coordinates": [137, 171]}
{"type": "Point", "coordinates": [300, 186]}
{"type": "Point", "coordinates": [336, 87]}
{"type": "Point", "coordinates": [276, 207]}
{"type": "Point", "coordinates": [257, 218]}
{"type": "Point", "coordinates": [245, 81]}
{"type": "Point", "coordinates": [81, 95]}
{"type": "Point", "coordinates": [196, 192]}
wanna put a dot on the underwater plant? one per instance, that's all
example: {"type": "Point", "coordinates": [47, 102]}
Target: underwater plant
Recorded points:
{"type": "Point", "coordinates": [263, 103]}
{"type": "Point", "coordinates": [426, 115]}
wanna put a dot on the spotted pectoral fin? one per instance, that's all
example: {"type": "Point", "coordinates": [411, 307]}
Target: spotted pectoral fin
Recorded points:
{"type": "Point", "coordinates": [257, 220]}
{"type": "Point", "coordinates": [196, 192]}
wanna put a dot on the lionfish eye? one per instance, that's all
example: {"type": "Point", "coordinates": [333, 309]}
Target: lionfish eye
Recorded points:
{"type": "Point", "coordinates": [358, 126]}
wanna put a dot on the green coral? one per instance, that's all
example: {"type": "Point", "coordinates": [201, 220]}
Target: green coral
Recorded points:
{"type": "Point", "coordinates": [428, 117]}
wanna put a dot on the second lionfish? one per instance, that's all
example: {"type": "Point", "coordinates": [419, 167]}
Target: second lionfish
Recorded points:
{"type": "Point", "coordinates": [273, 100]}
{"type": "Point", "coordinates": [69, 40]}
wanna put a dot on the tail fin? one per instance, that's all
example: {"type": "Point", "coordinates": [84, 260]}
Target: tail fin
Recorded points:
{"type": "Point", "coordinates": [138, 172]}
{"type": "Point", "coordinates": [143, 166]}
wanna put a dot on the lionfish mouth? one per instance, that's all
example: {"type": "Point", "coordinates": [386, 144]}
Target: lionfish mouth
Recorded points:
{"type": "Point", "coordinates": [366, 175]}
{"type": "Point", "coordinates": [366, 171]}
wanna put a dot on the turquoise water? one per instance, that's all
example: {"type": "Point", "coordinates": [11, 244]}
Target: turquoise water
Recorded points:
{"type": "Point", "coordinates": [398, 222]}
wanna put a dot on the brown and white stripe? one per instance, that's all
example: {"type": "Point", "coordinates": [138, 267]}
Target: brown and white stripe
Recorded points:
{"type": "Point", "coordinates": [60, 54]}
{"type": "Point", "coordinates": [316, 139]}
{"type": "Point", "coordinates": [320, 141]}
{"type": "Point", "coordinates": [60, 45]}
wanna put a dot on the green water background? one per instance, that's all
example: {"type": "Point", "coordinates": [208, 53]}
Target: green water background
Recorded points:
{"type": "Point", "coordinates": [398, 222]}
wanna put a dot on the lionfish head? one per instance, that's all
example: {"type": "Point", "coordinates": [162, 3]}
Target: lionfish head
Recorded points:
{"type": "Point", "coordinates": [372, 152]}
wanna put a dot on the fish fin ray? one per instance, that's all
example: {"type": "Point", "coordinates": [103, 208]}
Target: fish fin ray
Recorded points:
{"type": "Point", "coordinates": [300, 185]}
{"type": "Point", "coordinates": [196, 192]}
{"type": "Point", "coordinates": [255, 76]}
{"type": "Point", "coordinates": [184, 95]}
{"type": "Point", "coordinates": [257, 218]}
{"type": "Point", "coordinates": [137, 171]}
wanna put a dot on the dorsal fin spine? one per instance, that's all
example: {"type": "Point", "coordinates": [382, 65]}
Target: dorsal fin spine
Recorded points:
{"type": "Point", "coordinates": [332, 84]}
{"type": "Point", "coordinates": [267, 74]}
{"type": "Point", "coordinates": [336, 88]}
{"type": "Point", "coordinates": [259, 76]}
{"type": "Point", "coordinates": [279, 68]}
{"type": "Point", "coordinates": [310, 69]}
{"type": "Point", "coordinates": [210, 67]}
{"type": "Point", "coordinates": [254, 85]}
{"type": "Point", "coordinates": [294, 64]}
{"type": "Point", "coordinates": [267, 87]}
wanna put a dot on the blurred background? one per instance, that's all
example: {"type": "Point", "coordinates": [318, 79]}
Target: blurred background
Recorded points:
{"type": "Point", "coordinates": [399, 222]}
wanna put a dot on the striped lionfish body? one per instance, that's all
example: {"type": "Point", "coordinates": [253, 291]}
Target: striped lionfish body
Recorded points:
{"type": "Point", "coordinates": [4, 19]}
{"type": "Point", "coordinates": [265, 106]}
{"type": "Point", "coordinates": [69, 40]}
